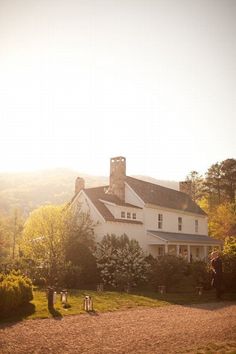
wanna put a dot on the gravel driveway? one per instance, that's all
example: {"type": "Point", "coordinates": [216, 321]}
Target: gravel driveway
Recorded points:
{"type": "Point", "coordinates": [169, 329]}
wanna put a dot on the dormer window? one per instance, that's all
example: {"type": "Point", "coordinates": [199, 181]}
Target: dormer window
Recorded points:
{"type": "Point", "coordinates": [128, 215]}
{"type": "Point", "coordinates": [134, 216]}
{"type": "Point", "coordinates": [123, 214]}
{"type": "Point", "coordinates": [180, 224]}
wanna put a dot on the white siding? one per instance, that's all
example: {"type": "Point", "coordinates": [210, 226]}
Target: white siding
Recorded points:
{"type": "Point", "coordinates": [133, 231]}
{"type": "Point", "coordinates": [132, 198]}
{"type": "Point", "coordinates": [87, 207]}
{"type": "Point", "coordinates": [170, 221]}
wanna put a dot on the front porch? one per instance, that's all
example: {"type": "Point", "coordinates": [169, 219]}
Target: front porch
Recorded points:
{"type": "Point", "coordinates": [190, 247]}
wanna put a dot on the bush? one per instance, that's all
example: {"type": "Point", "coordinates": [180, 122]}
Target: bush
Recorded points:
{"type": "Point", "coordinates": [121, 262]}
{"type": "Point", "coordinates": [15, 290]}
{"type": "Point", "coordinates": [167, 270]}
{"type": "Point", "coordinates": [229, 271]}
{"type": "Point", "coordinates": [200, 274]}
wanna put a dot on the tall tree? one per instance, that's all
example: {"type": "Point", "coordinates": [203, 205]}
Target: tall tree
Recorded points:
{"type": "Point", "coordinates": [197, 185]}
{"type": "Point", "coordinates": [214, 184]}
{"type": "Point", "coordinates": [228, 168]}
{"type": "Point", "coordinates": [221, 182]}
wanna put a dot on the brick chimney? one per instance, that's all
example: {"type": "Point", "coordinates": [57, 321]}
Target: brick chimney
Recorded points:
{"type": "Point", "coordinates": [117, 176]}
{"type": "Point", "coordinates": [79, 184]}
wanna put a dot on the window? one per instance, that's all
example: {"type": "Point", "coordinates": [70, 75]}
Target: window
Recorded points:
{"type": "Point", "coordinates": [128, 215]}
{"type": "Point", "coordinates": [134, 215]}
{"type": "Point", "coordinates": [160, 221]}
{"type": "Point", "coordinates": [123, 214]}
{"type": "Point", "coordinates": [196, 225]}
{"type": "Point", "coordinates": [180, 224]}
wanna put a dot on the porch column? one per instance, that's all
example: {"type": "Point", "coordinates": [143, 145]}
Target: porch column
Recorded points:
{"type": "Point", "coordinates": [188, 253]}
{"type": "Point", "coordinates": [177, 250]}
{"type": "Point", "coordinates": [166, 248]}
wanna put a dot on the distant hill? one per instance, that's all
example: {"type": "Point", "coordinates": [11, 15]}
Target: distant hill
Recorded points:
{"type": "Point", "coordinates": [29, 190]}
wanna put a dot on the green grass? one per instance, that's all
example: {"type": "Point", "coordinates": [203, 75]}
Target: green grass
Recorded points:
{"type": "Point", "coordinates": [107, 301]}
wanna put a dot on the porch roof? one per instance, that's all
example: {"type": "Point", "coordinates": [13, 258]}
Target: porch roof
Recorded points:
{"type": "Point", "coordinates": [174, 237]}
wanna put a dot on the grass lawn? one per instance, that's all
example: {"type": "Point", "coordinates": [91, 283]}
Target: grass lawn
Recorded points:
{"type": "Point", "coordinates": [107, 301]}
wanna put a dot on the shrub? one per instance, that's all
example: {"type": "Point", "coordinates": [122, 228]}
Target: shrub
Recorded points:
{"type": "Point", "coordinates": [167, 270]}
{"type": "Point", "coordinates": [229, 271]}
{"type": "Point", "coordinates": [121, 262]}
{"type": "Point", "coordinates": [15, 290]}
{"type": "Point", "coordinates": [200, 274]}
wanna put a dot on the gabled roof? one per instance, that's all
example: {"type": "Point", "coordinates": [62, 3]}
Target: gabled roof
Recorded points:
{"type": "Point", "coordinates": [98, 195]}
{"type": "Point", "coordinates": [161, 196]}
{"type": "Point", "coordinates": [184, 238]}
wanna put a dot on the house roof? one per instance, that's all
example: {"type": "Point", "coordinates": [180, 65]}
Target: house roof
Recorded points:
{"type": "Point", "coordinates": [98, 195]}
{"type": "Point", "coordinates": [165, 197]}
{"type": "Point", "coordinates": [184, 238]}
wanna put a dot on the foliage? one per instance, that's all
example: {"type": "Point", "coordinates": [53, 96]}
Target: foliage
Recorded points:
{"type": "Point", "coordinates": [57, 245]}
{"type": "Point", "coordinates": [229, 264]}
{"type": "Point", "coordinates": [229, 271]}
{"type": "Point", "coordinates": [200, 273]}
{"type": "Point", "coordinates": [43, 240]}
{"type": "Point", "coordinates": [197, 185]}
{"type": "Point", "coordinates": [81, 268]}
{"type": "Point", "coordinates": [222, 222]}
{"type": "Point", "coordinates": [221, 182]}
{"type": "Point", "coordinates": [11, 227]}
{"type": "Point", "coordinates": [167, 270]}
{"type": "Point", "coordinates": [230, 246]}
{"type": "Point", "coordinates": [15, 290]}
{"type": "Point", "coordinates": [121, 262]}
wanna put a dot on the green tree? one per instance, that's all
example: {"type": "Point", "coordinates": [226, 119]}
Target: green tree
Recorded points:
{"type": "Point", "coordinates": [220, 182]}
{"type": "Point", "coordinates": [228, 168]}
{"type": "Point", "coordinates": [43, 240]}
{"type": "Point", "coordinates": [214, 184]}
{"type": "Point", "coordinates": [229, 263]}
{"type": "Point", "coordinates": [81, 269]}
{"type": "Point", "coordinates": [197, 185]}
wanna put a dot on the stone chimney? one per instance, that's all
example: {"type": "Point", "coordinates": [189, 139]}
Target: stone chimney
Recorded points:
{"type": "Point", "coordinates": [117, 176]}
{"type": "Point", "coordinates": [186, 187]}
{"type": "Point", "coordinates": [79, 184]}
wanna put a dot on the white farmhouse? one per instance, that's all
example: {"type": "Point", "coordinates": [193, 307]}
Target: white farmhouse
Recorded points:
{"type": "Point", "coordinates": [161, 219]}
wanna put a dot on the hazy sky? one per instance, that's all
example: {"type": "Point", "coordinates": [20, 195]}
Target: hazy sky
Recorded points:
{"type": "Point", "coordinates": [85, 80]}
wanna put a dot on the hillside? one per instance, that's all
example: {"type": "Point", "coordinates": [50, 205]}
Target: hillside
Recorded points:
{"type": "Point", "coordinates": [30, 190]}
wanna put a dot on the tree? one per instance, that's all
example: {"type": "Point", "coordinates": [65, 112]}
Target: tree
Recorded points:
{"type": "Point", "coordinates": [4, 240]}
{"type": "Point", "coordinates": [214, 183]}
{"type": "Point", "coordinates": [229, 263]}
{"type": "Point", "coordinates": [81, 269]}
{"type": "Point", "coordinates": [221, 182]}
{"type": "Point", "coordinates": [121, 261]}
{"type": "Point", "coordinates": [228, 168]}
{"type": "Point", "coordinates": [230, 246]}
{"type": "Point", "coordinates": [197, 185]}
{"type": "Point", "coordinates": [222, 223]}
{"type": "Point", "coordinates": [43, 240]}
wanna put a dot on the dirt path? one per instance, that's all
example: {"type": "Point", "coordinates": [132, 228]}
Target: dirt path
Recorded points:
{"type": "Point", "coordinates": [169, 329]}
